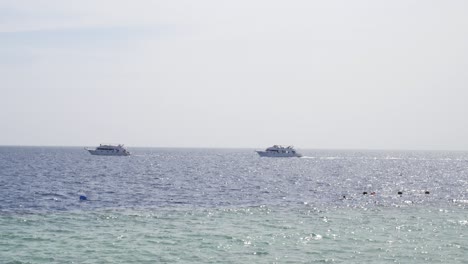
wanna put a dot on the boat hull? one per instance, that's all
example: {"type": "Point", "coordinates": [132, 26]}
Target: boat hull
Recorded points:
{"type": "Point", "coordinates": [107, 153]}
{"type": "Point", "coordinates": [278, 155]}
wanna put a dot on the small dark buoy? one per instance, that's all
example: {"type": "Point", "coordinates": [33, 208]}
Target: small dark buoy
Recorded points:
{"type": "Point", "coordinates": [364, 193]}
{"type": "Point", "coordinates": [426, 192]}
{"type": "Point", "coordinates": [344, 196]}
{"type": "Point", "coordinates": [400, 193]}
{"type": "Point", "coordinates": [83, 198]}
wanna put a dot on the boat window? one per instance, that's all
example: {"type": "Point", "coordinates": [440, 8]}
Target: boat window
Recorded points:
{"type": "Point", "coordinates": [104, 149]}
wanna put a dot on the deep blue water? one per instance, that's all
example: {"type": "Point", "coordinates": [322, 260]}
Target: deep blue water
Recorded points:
{"type": "Point", "coordinates": [52, 179]}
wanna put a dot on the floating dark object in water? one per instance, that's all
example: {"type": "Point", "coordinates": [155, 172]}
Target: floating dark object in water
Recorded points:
{"type": "Point", "coordinates": [372, 193]}
{"type": "Point", "coordinates": [83, 198]}
{"type": "Point", "coordinates": [400, 193]}
{"type": "Point", "coordinates": [364, 193]}
{"type": "Point", "coordinates": [426, 192]}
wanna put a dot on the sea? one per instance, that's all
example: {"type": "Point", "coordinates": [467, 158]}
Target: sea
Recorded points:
{"type": "Point", "coordinates": [63, 205]}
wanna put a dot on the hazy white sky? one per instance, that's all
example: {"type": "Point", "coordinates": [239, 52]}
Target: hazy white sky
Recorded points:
{"type": "Point", "coordinates": [315, 74]}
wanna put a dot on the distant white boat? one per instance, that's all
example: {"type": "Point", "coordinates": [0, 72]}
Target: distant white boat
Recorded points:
{"type": "Point", "coordinates": [109, 150]}
{"type": "Point", "coordinates": [279, 151]}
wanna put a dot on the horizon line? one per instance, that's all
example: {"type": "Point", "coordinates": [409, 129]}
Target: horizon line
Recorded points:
{"type": "Point", "coordinates": [181, 147]}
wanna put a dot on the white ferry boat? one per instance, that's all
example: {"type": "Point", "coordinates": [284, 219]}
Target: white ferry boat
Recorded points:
{"type": "Point", "coordinates": [279, 151]}
{"type": "Point", "coordinates": [109, 150]}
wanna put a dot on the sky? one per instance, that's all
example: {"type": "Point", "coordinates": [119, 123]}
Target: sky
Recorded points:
{"type": "Point", "coordinates": [362, 74]}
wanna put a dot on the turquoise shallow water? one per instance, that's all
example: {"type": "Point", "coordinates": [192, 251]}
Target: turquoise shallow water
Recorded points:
{"type": "Point", "coordinates": [231, 206]}
{"type": "Point", "coordinates": [410, 234]}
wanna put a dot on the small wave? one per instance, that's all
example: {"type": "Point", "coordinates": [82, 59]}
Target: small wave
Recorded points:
{"type": "Point", "coordinates": [392, 158]}
{"type": "Point", "coordinates": [331, 158]}
{"type": "Point", "coordinates": [51, 194]}
{"type": "Point", "coordinates": [460, 201]}
{"type": "Point", "coordinates": [322, 158]}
